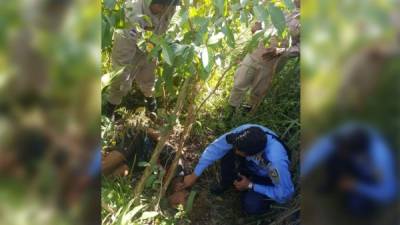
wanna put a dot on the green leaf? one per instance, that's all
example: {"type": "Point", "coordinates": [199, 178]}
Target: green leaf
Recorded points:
{"type": "Point", "coordinates": [244, 16]}
{"type": "Point", "coordinates": [289, 4]}
{"type": "Point", "coordinates": [220, 5]}
{"type": "Point", "coordinates": [183, 17]}
{"type": "Point", "coordinates": [179, 49]}
{"type": "Point", "coordinates": [150, 180]}
{"type": "Point", "coordinates": [236, 7]}
{"type": "Point", "coordinates": [106, 39]}
{"type": "Point", "coordinates": [167, 53]}
{"type": "Point", "coordinates": [277, 17]}
{"type": "Point", "coordinates": [230, 38]}
{"type": "Point", "coordinates": [207, 59]}
{"type": "Point", "coordinates": [167, 76]}
{"type": "Point", "coordinates": [127, 217]}
{"type": "Point", "coordinates": [243, 2]}
{"type": "Point", "coordinates": [204, 57]}
{"type": "Point", "coordinates": [215, 38]}
{"type": "Point", "coordinates": [189, 202]}
{"type": "Point", "coordinates": [148, 215]}
{"type": "Point", "coordinates": [110, 4]}
{"type": "Point", "coordinates": [260, 13]}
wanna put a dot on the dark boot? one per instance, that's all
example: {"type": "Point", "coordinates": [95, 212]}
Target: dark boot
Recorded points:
{"type": "Point", "coordinates": [108, 109]}
{"type": "Point", "coordinates": [246, 108]}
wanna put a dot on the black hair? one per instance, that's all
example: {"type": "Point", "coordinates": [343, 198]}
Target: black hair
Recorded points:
{"type": "Point", "coordinates": [354, 141]}
{"type": "Point", "coordinates": [250, 141]}
{"type": "Point", "coordinates": [165, 2]}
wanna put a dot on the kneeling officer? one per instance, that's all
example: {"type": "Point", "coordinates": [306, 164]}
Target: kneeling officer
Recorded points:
{"type": "Point", "coordinates": [254, 161]}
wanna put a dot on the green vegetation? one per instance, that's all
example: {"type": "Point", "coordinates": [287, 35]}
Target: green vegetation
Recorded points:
{"type": "Point", "coordinates": [197, 59]}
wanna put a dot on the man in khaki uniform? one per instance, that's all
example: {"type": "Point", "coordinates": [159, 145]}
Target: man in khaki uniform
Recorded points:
{"type": "Point", "coordinates": [257, 68]}
{"type": "Point", "coordinates": [126, 54]}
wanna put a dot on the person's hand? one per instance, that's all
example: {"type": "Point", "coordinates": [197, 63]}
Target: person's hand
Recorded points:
{"type": "Point", "coordinates": [188, 181]}
{"type": "Point", "coordinates": [347, 184]}
{"type": "Point", "coordinates": [178, 198]}
{"type": "Point", "coordinates": [257, 26]}
{"type": "Point", "coordinates": [269, 54]}
{"type": "Point", "coordinates": [243, 184]}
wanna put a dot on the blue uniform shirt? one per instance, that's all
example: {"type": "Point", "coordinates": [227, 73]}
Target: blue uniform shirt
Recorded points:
{"type": "Point", "coordinates": [381, 164]}
{"type": "Point", "coordinates": [94, 168]}
{"type": "Point", "coordinates": [277, 168]}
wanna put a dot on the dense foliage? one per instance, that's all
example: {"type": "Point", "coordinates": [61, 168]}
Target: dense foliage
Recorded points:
{"type": "Point", "coordinates": [197, 58]}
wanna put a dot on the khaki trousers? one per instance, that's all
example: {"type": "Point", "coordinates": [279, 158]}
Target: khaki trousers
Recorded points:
{"type": "Point", "coordinates": [125, 54]}
{"type": "Point", "coordinates": [251, 75]}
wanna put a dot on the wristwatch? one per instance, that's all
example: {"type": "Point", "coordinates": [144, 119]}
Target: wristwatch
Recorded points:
{"type": "Point", "coordinates": [250, 186]}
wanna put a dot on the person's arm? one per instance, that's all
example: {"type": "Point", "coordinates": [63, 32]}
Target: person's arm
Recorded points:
{"type": "Point", "coordinates": [216, 150]}
{"type": "Point", "coordinates": [385, 189]}
{"type": "Point", "coordinates": [282, 189]}
{"type": "Point", "coordinates": [213, 152]}
{"type": "Point", "coordinates": [318, 152]}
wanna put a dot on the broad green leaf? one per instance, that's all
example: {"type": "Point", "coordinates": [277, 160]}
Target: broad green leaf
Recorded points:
{"type": "Point", "coordinates": [215, 38]}
{"type": "Point", "coordinates": [236, 7]}
{"type": "Point", "coordinates": [179, 49]}
{"type": "Point", "coordinates": [220, 5]}
{"type": "Point", "coordinates": [289, 4]}
{"type": "Point", "coordinates": [183, 17]}
{"type": "Point", "coordinates": [110, 4]}
{"type": "Point", "coordinates": [260, 13]}
{"type": "Point", "coordinates": [150, 180]}
{"type": "Point", "coordinates": [155, 39]}
{"type": "Point", "coordinates": [207, 58]}
{"type": "Point", "coordinates": [204, 57]}
{"type": "Point", "coordinates": [106, 39]}
{"type": "Point", "coordinates": [243, 2]}
{"type": "Point", "coordinates": [148, 215]}
{"type": "Point", "coordinates": [244, 17]}
{"type": "Point", "coordinates": [167, 76]}
{"type": "Point", "coordinates": [167, 53]}
{"type": "Point", "coordinates": [277, 18]}
{"type": "Point", "coordinates": [189, 53]}
{"type": "Point", "coordinates": [230, 38]}
{"type": "Point", "coordinates": [110, 20]}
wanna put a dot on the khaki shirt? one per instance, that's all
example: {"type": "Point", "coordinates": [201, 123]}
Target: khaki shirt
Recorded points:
{"type": "Point", "coordinates": [292, 21]}
{"type": "Point", "coordinates": [134, 11]}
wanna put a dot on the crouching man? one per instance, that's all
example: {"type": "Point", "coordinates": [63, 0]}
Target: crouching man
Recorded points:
{"type": "Point", "coordinates": [254, 161]}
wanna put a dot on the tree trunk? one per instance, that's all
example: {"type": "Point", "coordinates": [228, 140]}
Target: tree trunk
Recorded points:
{"type": "Point", "coordinates": [161, 143]}
{"type": "Point", "coordinates": [185, 134]}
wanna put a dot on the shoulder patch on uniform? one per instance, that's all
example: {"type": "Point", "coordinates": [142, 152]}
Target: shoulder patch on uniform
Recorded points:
{"type": "Point", "coordinates": [274, 175]}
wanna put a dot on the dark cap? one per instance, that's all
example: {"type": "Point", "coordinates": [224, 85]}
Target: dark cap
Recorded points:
{"type": "Point", "coordinates": [251, 140]}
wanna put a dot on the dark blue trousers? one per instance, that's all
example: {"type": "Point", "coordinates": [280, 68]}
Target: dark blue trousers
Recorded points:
{"type": "Point", "coordinates": [355, 203]}
{"type": "Point", "coordinates": [252, 202]}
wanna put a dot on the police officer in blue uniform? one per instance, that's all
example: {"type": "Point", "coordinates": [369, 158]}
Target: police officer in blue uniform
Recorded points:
{"type": "Point", "coordinates": [358, 164]}
{"type": "Point", "coordinates": [254, 161]}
